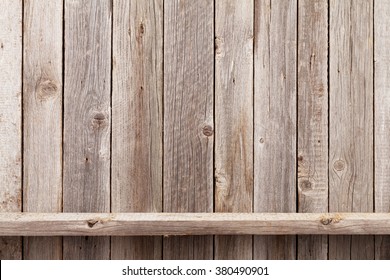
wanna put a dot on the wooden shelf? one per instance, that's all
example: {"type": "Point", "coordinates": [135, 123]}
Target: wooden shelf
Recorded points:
{"type": "Point", "coordinates": [139, 224]}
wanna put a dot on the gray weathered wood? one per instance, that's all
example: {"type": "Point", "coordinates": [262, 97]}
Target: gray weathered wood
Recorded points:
{"type": "Point", "coordinates": [42, 118]}
{"type": "Point", "coordinates": [351, 120]}
{"type": "Point", "coordinates": [137, 119]}
{"type": "Point", "coordinates": [87, 119]}
{"type": "Point", "coordinates": [312, 120]}
{"type": "Point", "coordinates": [188, 119]}
{"type": "Point", "coordinates": [382, 118]}
{"type": "Point", "coordinates": [10, 119]}
{"type": "Point", "coordinates": [275, 119]}
{"type": "Point", "coordinates": [139, 224]}
{"type": "Point", "coordinates": [233, 119]}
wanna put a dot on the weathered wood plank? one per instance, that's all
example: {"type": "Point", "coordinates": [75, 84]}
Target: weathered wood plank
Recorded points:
{"type": "Point", "coordinates": [233, 119]}
{"type": "Point", "coordinates": [137, 120]}
{"type": "Point", "coordinates": [351, 120]}
{"type": "Point", "coordinates": [10, 119]}
{"type": "Point", "coordinates": [87, 119]}
{"type": "Point", "coordinates": [188, 119]}
{"type": "Point", "coordinates": [42, 117]}
{"type": "Point", "coordinates": [312, 120]}
{"type": "Point", "coordinates": [382, 119]}
{"type": "Point", "coordinates": [139, 224]}
{"type": "Point", "coordinates": [275, 120]}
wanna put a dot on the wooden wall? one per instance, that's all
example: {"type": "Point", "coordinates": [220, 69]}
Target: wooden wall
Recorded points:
{"type": "Point", "coordinates": [195, 106]}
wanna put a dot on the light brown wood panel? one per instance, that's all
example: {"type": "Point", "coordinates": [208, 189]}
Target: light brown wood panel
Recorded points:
{"type": "Point", "coordinates": [233, 119]}
{"type": "Point", "coordinates": [11, 119]}
{"type": "Point", "coordinates": [351, 120]}
{"type": "Point", "coordinates": [87, 117]}
{"type": "Point", "coordinates": [42, 119]}
{"type": "Point", "coordinates": [312, 120]}
{"type": "Point", "coordinates": [139, 224]}
{"type": "Point", "coordinates": [188, 119]}
{"type": "Point", "coordinates": [275, 119]}
{"type": "Point", "coordinates": [137, 119]}
{"type": "Point", "coordinates": [382, 119]}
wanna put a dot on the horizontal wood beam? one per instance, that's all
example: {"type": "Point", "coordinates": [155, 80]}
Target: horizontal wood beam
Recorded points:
{"type": "Point", "coordinates": [138, 224]}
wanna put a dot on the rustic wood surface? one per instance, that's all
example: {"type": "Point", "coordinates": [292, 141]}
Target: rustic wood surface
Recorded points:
{"type": "Point", "coordinates": [382, 119]}
{"type": "Point", "coordinates": [137, 119]}
{"type": "Point", "coordinates": [275, 120]}
{"type": "Point", "coordinates": [312, 120]}
{"type": "Point", "coordinates": [114, 106]}
{"type": "Point", "coordinates": [351, 120]}
{"type": "Point", "coordinates": [233, 120]}
{"type": "Point", "coordinates": [11, 14]}
{"type": "Point", "coordinates": [188, 119]}
{"type": "Point", "coordinates": [87, 119]}
{"type": "Point", "coordinates": [129, 224]}
{"type": "Point", "coordinates": [42, 119]}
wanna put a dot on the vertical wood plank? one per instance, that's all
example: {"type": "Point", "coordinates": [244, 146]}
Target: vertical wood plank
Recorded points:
{"type": "Point", "coordinates": [275, 120]}
{"type": "Point", "coordinates": [313, 120]}
{"type": "Point", "coordinates": [382, 118]}
{"type": "Point", "coordinates": [87, 119]}
{"type": "Point", "coordinates": [42, 99]}
{"type": "Point", "coordinates": [233, 119]}
{"type": "Point", "coordinates": [188, 119]}
{"type": "Point", "coordinates": [10, 119]}
{"type": "Point", "coordinates": [351, 121]}
{"type": "Point", "coordinates": [137, 119]}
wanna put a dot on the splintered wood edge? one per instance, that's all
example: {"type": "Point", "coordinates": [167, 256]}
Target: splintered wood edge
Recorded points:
{"type": "Point", "coordinates": [147, 224]}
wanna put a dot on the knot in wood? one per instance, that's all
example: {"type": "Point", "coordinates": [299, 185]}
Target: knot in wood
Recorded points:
{"type": "Point", "coordinates": [306, 185]}
{"type": "Point", "coordinates": [91, 223]}
{"type": "Point", "coordinates": [140, 32]}
{"type": "Point", "coordinates": [99, 120]}
{"type": "Point", "coordinates": [218, 46]}
{"type": "Point", "coordinates": [208, 130]}
{"type": "Point", "coordinates": [334, 219]}
{"type": "Point", "coordinates": [141, 28]}
{"type": "Point", "coordinates": [46, 89]}
{"type": "Point", "coordinates": [320, 90]}
{"type": "Point", "coordinates": [339, 165]}
{"type": "Point", "coordinates": [326, 221]}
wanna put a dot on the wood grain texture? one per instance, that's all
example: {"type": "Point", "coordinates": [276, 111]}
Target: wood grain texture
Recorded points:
{"type": "Point", "coordinates": [312, 120]}
{"type": "Point", "coordinates": [233, 119]}
{"type": "Point", "coordinates": [188, 119]}
{"type": "Point", "coordinates": [382, 119]}
{"type": "Point", "coordinates": [275, 120]}
{"type": "Point", "coordinates": [42, 118]}
{"type": "Point", "coordinates": [351, 120]}
{"type": "Point", "coordinates": [139, 224]}
{"type": "Point", "coordinates": [137, 119]}
{"type": "Point", "coordinates": [87, 119]}
{"type": "Point", "coordinates": [10, 119]}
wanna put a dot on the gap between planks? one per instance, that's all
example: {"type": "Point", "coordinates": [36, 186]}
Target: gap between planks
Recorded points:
{"type": "Point", "coordinates": [147, 224]}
